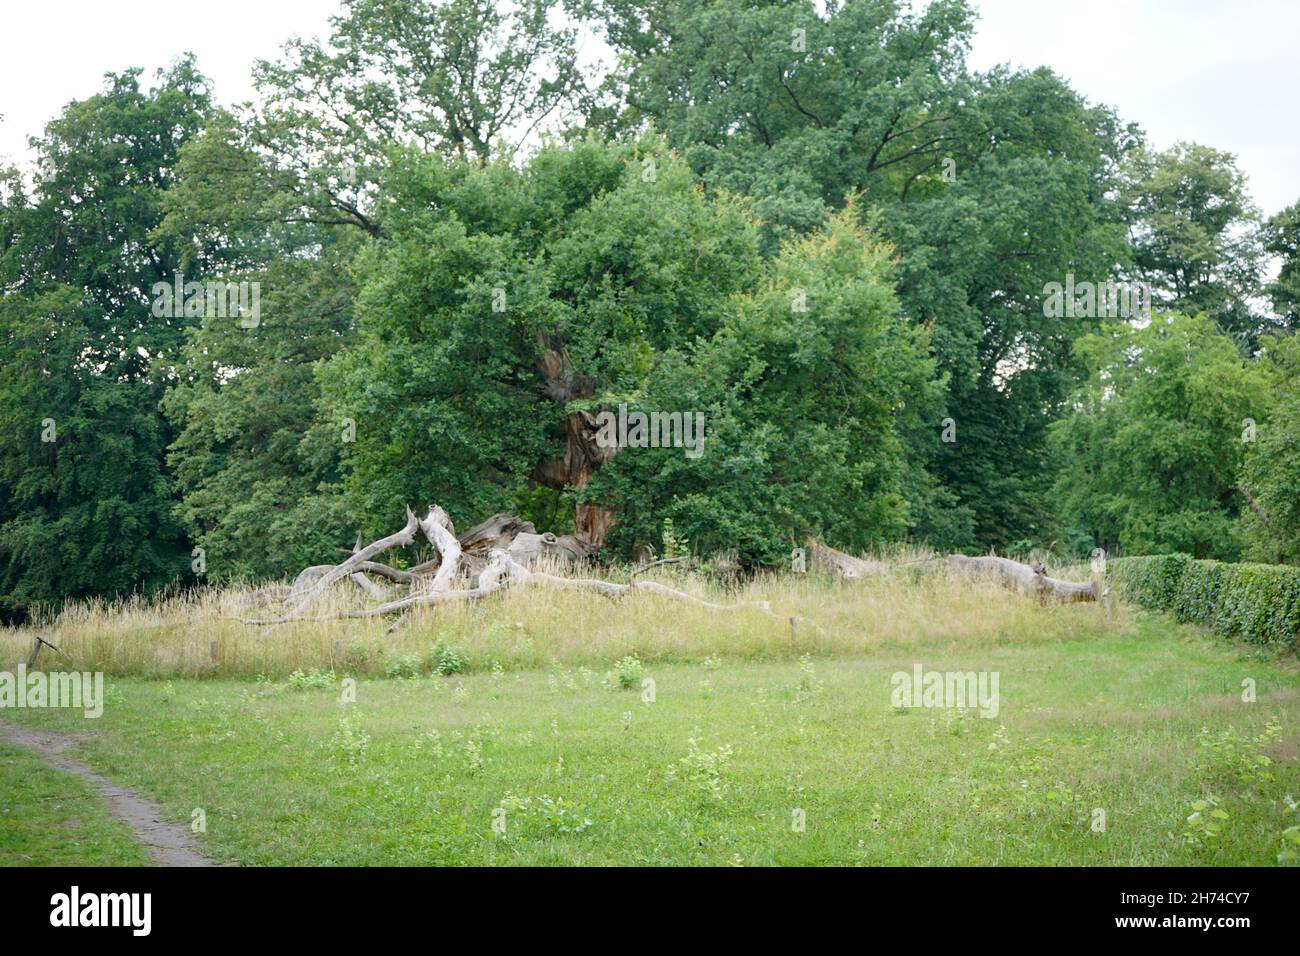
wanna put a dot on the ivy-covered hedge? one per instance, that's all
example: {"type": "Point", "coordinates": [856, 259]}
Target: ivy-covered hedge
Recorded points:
{"type": "Point", "coordinates": [1258, 603]}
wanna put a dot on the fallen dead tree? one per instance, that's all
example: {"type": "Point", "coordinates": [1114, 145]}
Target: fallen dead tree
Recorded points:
{"type": "Point", "coordinates": [845, 565]}
{"type": "Point", "coordinates": [1027, 579]}
{"type": "Point", "coordinates": [1024, 578]}
{"type": "Point", "coordinates": [496, 554]}
{"type": "Point", "coordinates": [504, 552]}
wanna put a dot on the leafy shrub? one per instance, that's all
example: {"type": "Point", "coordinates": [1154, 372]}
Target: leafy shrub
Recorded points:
{"type": "Point", "coordinates": [349, 741]}
{"type": "Point", "coordinates": [311, 680]}
{"type": "Point", "coordinates": [1256, 603]}
{"type": "Point", "coordinates": [404, 665]}
{"type": "Point", "coordinates": [1205, 823]}
{"type": "Point", "coordinates": [445, 659]}
{"type": "Point", "coordinates": [357, 656]}
{"type": "Point", "coordinates": [1227, 754]}
{"type": "Point", "coordinates": [473, 749]}
{"type": "Point", "coordinates": [1290, 838]}
{"type": "Point", "coordinates": [675, 545]}
{"type": "Point", "coordinates": [546, 813]}
{"type": "Point", "coordinates": [702, 769]}
{"type": "Point", "coordinates": [809, 685]}
{"type": "Point", "coordinates": [627, 672]}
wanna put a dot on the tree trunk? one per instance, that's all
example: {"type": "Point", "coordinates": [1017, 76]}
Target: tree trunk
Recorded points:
{"type": "Point", "coordinates": [503, 568]}
{"type": "Point", "coordinates": [1254, 506]}
{"type": "Point", "coordinates": [1024, 578]}
{"type": "Point", "coordinates": [1011, 574]}
{"type": "Point", "coordinates": [826, 558]}
{"type": "Point", "coordinates": [582, 455]}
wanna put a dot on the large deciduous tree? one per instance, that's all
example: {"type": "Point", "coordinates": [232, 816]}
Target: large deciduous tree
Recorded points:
{"type": "Point", "coordinates": [1150, 453]}
{"type": "Point", "coordinates": [84, 358]}
{"type": "Point", "coordinates": [513, 306]}
{"type": "Point", "coordinates": [509, 297]}
{"type": "Point", "coordinates": [1196, 234]}
{"type": "Point", "coordinates": [283, 193]}
{"type": "Point", "coordinates": [807, 389]}
{"type": "Point", "coordinates": [989, 187]}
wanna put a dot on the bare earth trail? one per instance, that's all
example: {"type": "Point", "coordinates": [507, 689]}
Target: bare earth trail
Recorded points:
{"type": "Point", "coordinates": [169, 844]}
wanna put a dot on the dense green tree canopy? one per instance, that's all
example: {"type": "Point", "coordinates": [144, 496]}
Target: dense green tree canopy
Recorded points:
{"type": "Point", "coordinates": [283, 194]}
{"type": "Point", "coordinates": [808, 386]}
{"type": "Point", "coordinates": [657, 298]}
{"type": "Point", "coordinates": [1196, 234]}
{"type": "Point", "coordinates": [1150, 453]}
{"type": "Point", "coordinates": [809, 224]}
{"type": "Point", "coordinates": [1282, 239]}
{"type": "Point", "coordinates": [1271, 474]}
{"type": "Point", "coordinates": [990, 186]}
{"type": "Point", "coordinates": [84, 360]}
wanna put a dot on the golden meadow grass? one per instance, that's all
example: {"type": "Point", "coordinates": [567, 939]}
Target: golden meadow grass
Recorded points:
{"type": "Point", "coordinates": [173, 635]}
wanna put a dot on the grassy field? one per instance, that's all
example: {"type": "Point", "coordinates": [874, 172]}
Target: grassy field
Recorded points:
{"type": "Point", "coordinates": [536, 628]}
{"type": "Point", "coordinates": [756, 749]}
{"type": "Point", "coordinates": [50, 818]}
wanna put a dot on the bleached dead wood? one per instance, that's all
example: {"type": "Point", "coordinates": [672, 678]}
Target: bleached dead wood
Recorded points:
{"type": "Point", "coordinates": [654, 564]}
{"type": "Point", "coordinates": [654, 587]}
{"type": "Point", "coordinates": [1012, 574]}
{"type": "Point", "coordinates": [372, 589]}
{"type": "Point", "coordinates": [302, 599]}
{"type": "Point", "coordinates": [1023, 578]}
{"type": "Point", "coordinates": [530, 549]}
{"type": "Point", "coordinates": [306, 578]}
{"type": "Point", "coordinates": [502, 570]}
{"type": "Point", "coordinates": [827, 558]}
{"type": "Point", "coordinates": [384, 571]}
{"type": "Point", "coordinates": [438, 529]}
{"type": "Point", "coordinates": [37, 643]}
{"type": "Point", "coordinates": [262, 593]}
{"type": "Point", "coordinates": [505, 552]}
{"type": "Point", "coordinates": [497, 532]}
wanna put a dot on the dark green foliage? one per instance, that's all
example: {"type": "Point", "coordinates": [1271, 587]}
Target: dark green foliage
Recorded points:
{"type": "Point", "coordinates": [989, 186]}
{"type": "Point", "coordinates": [738, 157]}
{"type": "Point", "coordinates": [449, 401]}
{"type": "Point", "coordinates": [258, 473]}
{"type": "Point", "coordinates": [1148, 457]}
{"type": "Point", "coordinates": [1256, 603]}
{"type": "Point", "coordinates": [1196, 236]}
{"type": "Point", "coordinates": [85, 499]}
{"type": "Point", "coordinates": [1282, 239]}
{"type": "Point", "coordinates": [792, 448]}
{"type": "Point", "coordinates": [1272, 469]}
{"type": "Point", "coordinates": [661, 301]}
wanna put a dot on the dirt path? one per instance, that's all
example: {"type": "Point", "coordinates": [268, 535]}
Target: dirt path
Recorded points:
{"type": "Point", "coordinates": [169, 844]}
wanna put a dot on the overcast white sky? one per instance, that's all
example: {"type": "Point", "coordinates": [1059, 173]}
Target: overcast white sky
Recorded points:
{"type": "Point", "coordinates": [1222, 73]}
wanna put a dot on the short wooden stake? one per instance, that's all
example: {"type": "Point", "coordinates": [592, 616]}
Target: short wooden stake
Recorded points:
{"type": "Point", "coordinates": [37, 641]}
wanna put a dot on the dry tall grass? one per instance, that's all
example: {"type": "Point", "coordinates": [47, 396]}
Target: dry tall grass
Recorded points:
{"type": "Point", "coordinates": [173, 636]}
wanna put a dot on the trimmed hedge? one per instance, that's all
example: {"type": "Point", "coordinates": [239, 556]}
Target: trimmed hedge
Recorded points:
{"type": "Point", "coordinates": [1257, 603]}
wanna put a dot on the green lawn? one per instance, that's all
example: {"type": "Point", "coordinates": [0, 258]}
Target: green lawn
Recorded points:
{"type": "Point", "coordinates": [1139, 726]}
{"type": "Point", "coordinates": [51, 818]}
